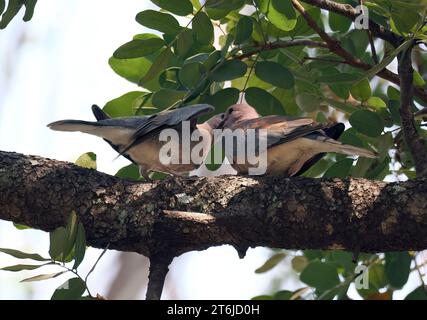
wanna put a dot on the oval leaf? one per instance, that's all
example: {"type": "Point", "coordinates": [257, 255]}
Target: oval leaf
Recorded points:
{"type": "Point", "coordinates": [160, 21]}
{"type": "Point", "coordinates": [243, 29]}
{"type": "Point", "coordinates": [138, 48]}
{"type": "Point", "coordinates": [203, 28]}
{"type": "Point", "coordinates": [320, 275]}
{"type": "Point", "coordinates": [22, 255]}
{"type": "Point", "coordinates": [275, 74]}
{"type": "Point", "coordinates": [271, 263]}
{"type": "Point", "coordinates": [178, 7]}
{"type": "Point", "coordinates": [367, 122]}
{"type": "Point", "coordinates": [229, 70]}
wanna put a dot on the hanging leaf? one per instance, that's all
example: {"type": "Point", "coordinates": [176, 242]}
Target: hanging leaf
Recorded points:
{"type": "Point", "coordinates": [339, 169]}
{"type": "Point", "coordinates": [159, 64]}
{"type": "Point", "coordinates": [243, 30]}
{"type": "Point", "coordinates": [367, 122]}
{"type": "Point", "coordinates": [190, 74]}
{"type": "Point", "coordinates": [271, 263]}
{"type": "Point", "coordinates": [320, 275]}
{"type": "Point", "coordinates": [178, 7]}
{"type": "Point", "coordinates": [229, 70]}
{"type": "Point", "coordinates": [72, 289]}
{"type": "Point", "coordinates": [87, 160]}
{"type": "Point", "coordinates": [275, 74]}
{"type": "Point", "coordinates": [160, 21]}
{"type": "Point", "coordinates": [22, 255]}
{"type": "Point", "coordinates": [264, 102]}
{"type": "Point", "coordinates": [21, 267]}
{"type": "Point", "coordinates": [138, 48]}
{"type": "Point", "coordinates": [397, 268]}
{"type": "Point", "coordinates": [202, 27]}
{"type": "Point", "coordinates": [41, 277]}
{"type": "Point", "coordinates": [80, 246]}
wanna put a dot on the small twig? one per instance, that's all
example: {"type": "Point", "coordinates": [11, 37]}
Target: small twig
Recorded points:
{"type": "Point", "coordinates": [96, 262]}
{"type": "Point", "coordinates": [249, 75]}
{"type": "Point", "coordinates": [372, 44]}
{"type": "Point", "coordinates": [325, 60]}
{"type": "Point", "coordinates": [159, 267]}
{"type": "Point", "coordinates": [413, 139]}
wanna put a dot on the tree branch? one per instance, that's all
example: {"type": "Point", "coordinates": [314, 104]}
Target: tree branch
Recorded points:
{"type": "Point", "coordinates": [348, 11]}
{"type": "Point", "coordinates": [413, 139]}
{"type": "Point", "coordinates": [166, 218]}
{"type": "Point", "coordinates": [335, 46]}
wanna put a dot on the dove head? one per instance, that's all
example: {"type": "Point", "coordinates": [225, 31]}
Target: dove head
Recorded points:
{"type": "Point", "coordinates": [238, 112]}
{"type": "Point", "coordinates": [215, 121]}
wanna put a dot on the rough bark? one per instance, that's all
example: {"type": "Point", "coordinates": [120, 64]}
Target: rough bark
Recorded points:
{"type": "Point", "coordinates": [177, 215]}
{"type": "Point", "coordinates": [413, 139]}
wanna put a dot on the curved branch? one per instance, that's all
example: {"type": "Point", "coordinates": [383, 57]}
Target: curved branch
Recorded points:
{"type": "Point", "coordinates": [413, 139]}
{"type": "Point", "coordinates": [177, 215]}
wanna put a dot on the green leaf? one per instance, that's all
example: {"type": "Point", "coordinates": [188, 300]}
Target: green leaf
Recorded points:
{"type": "Point", "coordinates": [21, 267]}
{"type": "Point", "coordinates": [71, 232]}
{"type": "Point", "coordinates": [184, 43]}
{"type": "Point", "coordinates": [285, 7]}
{"type": "Point", "coordinates": [80, 246]}
{"type": "Point", "coordinates": [190, 74]}
{"type": "Point", "coordinates": [22, 255]}
{"type": "Point", "coordinates": [299, 263]}
{"type": "Point", "coordinates": [41, 277]}
{"type": "Point", "coordinates": [264, 102]}
{"type": "Point", "coordinates": [419, 293]}
{"type": "Point", "coordinates": [87, 160]}
{"type": "Point", "coordinates": [308, 102]}
{"type": "Point", "coordinates": [123, 106]}
{"type": "Point", "coordinates": [320, 275]}
{"type": "Point", "coordinates": [361, 90]}
{"type": "Point", "coordinates": [338, 22]}
{"type": "Point", "coordinates": [243, 29]}
{"type": "Point", "coordinates": [285, 22]}
{"type": "Point", "coordinates": [263, 297]}
{"type": "Point", "coordinates": [72, 289]}
{"type": "Point", "coordinates": [138, 48]}
{"type": "Point", "coordinates": [20, 226]}
{"type": "Point", "coordinates": [57, 243]}
{"type": "Point", "coordinates": [283, 295]}
{"type": "Point", "coordinates": [367, 122]}
{"type": "Point", "coordinates": [377, 277]}
{"type": "Point", "coordinates": [339, 169]}
{"type": "Point", "coordinates": [271, 263]}
{"type": "Point", "coordinates": [133, 70]}
{"type": "Point", "coordinates": [386, 61]}
{"type": "Point", "coordinates": [376, 103]}
{"type": "Point", "coordinates": [229, 70]}
{"type": "Point", "coordinates": [160, 21]}
{"type": "Point", "coordinates": [275, 74]}
{"type": "Point", "coordinates": [159, 64]}
{"type": "Point", "coordinates": [29, 9]}
{"type": "Point", "coordinates": [165, 98]}
{"type": "Point", "coordinates": [203, 28]}
{"type": "Point", "coordinates": [130, 172]}
{"type": "Point", "coordinates": [13, 7]}
{"type": "Point", "coordinates": [178, 7]}
{"type": "Point", "coordinates": [337, 78]}
{"type": "Point", "coordinates": [222, 99]}
{"type": "Point", "coordinates": [397, 268]}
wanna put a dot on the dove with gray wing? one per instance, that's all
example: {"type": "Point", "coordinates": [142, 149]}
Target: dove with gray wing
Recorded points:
{"type": "Point", "coordinates": [292, 144]}
{"type": "Point", "coordinates": [138, 138]}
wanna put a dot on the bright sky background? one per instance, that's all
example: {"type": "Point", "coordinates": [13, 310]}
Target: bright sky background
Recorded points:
{"type": "Point", "coordinates": [55, 67]}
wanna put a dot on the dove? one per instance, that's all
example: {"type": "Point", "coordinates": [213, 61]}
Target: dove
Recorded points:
{"type": "Point", "coordinates": [292, 144]}
{"type": "Point", "coordinates": [138, 138]}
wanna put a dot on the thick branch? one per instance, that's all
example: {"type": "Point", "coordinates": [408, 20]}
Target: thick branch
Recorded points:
{"type": "Point", "coordinates": [348, 11]}
{"type": "Point", "coordinates": [179, 215]}
{"type": "Point", "coordinates": [335, 46]}
{"type": "Point", "coordinates": [413, 139]}
{"type": "Point", "coordinates": [159, 267]}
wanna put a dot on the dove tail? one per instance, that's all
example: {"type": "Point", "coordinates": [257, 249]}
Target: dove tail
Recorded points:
{"type": "Point", "coordinates": [352, 150]}
{"type": "Point", "coordinates": [73, 125]}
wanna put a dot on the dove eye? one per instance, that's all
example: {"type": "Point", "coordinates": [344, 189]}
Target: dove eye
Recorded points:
{"type": "Point", "coordinates": [230, 110]}
{"type": "Point", "coordinates": [222, 116]}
